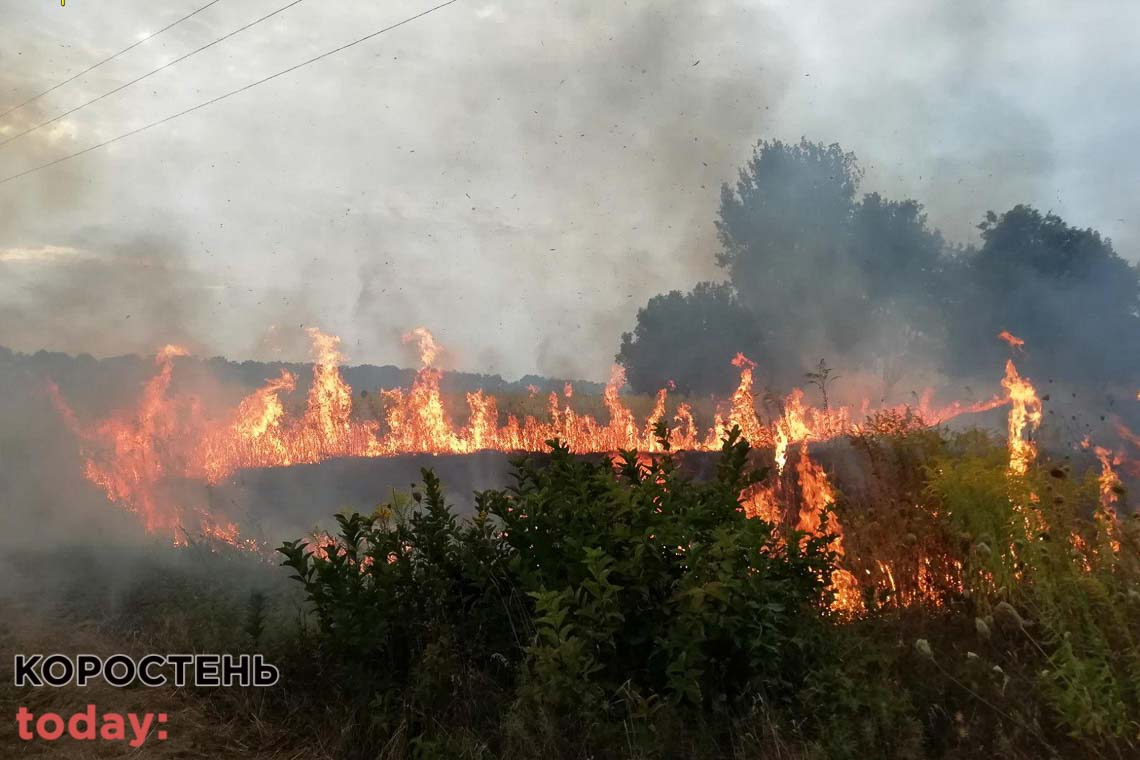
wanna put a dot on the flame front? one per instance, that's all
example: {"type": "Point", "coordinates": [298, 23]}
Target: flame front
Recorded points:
{"type": "Point", "coordinates": [1106, 517]}
{"type": "Point", "coordinates": [167, 436]}
{"type": "Point", "coordinates": [818, 497]}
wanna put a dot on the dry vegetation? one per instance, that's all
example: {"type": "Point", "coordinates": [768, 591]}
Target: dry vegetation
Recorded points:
{"type": "Point", "coordinates": [588, 612]}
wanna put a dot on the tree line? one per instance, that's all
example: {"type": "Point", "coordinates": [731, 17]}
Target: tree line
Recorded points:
{"type": "Point", "coordinates": [814, 270]}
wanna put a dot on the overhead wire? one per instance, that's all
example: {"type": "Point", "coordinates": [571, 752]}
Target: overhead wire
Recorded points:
{"type": "Point", "coordinates": [150, 73]}
{"type": "Point", "coordinates": [109, 58]}
{"type": "Point", "coordinates": [231, 93]}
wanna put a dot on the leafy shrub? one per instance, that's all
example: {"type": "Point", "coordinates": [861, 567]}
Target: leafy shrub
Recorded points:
{"type": "Point", "coordinates": [415, 613]}
{"type": "Point", "coordinates": [618, 608]}
{"type": "Point", "coordinates": [590, 591]}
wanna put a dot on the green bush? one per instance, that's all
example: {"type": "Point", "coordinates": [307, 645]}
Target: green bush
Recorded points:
{"type": "Point", "coordinates": [596, 593]}
{"type": "Point", "coordinates": [621, 609]}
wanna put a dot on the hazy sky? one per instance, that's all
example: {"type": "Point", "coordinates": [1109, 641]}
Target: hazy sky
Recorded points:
{"type": "Point", "coordinates": [518, 177]}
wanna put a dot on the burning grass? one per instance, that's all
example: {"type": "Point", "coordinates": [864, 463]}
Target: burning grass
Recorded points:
{"type": "Point", "coordinates": [880, 587]}
{"type": "Point", "coordinates": [131, 455]}
{"type": "Point", "coordinates": [965, 606]}
{"type": "Point", "coordinates": [902, 593]}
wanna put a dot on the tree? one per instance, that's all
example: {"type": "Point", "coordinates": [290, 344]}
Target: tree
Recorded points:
{"type": "Point", "coordinates": [824, 273]}
{"type": "Point", "coordinates": [690, 339]}
{"type": "Point", "coordinates": [1063, 290]}
{"type": "Point", "coordinates": [782, 229]}
{"type": "Point", "coordinates": [814, 271]}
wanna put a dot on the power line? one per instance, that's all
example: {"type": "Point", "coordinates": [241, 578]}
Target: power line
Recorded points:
{"type": "Point", "coordinates": [136, 80]}
{"type": "Point", "coordinates": [241, 89]}
{"type": "Point", "coordinates": [109, 58]}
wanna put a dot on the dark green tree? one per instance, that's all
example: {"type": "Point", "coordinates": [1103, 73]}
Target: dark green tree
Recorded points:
{"type": "Point", "coordinates": [690, 340]}
{"type": "Point", "coordinates": [815, 272]}
{"type": "Point", "coordinates": [1062, 289]}
{"type": "Point", "coordinates": [825, 272]}
{"type": "Point", "coordinates": [783, 229]}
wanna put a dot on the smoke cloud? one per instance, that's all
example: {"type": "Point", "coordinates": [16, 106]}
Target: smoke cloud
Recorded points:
{"type": "Point", "coordinates": [520, 179]}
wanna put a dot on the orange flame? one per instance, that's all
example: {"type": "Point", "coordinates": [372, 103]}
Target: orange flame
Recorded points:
{"type": "Point", "coordinates": [818, 496]}
{"type": "Point", "coordinates": [1013, 341]}
{"type": "Point", "coordinates": [429, 349]}
{"type": "Point", "coordinates": [1106, 516]}
{"type": "Point", "coordinates": [791, 428]}
{"type": "Point", "coordinates": [130, 456]}
{"type": "Point", "coordinates": [759, 500]}
{"type": "Point", "coordinates": [1024, 418]}
{"type": "Point", "coordinates": [133, 453]}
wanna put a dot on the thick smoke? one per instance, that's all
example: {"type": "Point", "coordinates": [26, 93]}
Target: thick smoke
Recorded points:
{"type": "Point", "coordinates": [521, 179]}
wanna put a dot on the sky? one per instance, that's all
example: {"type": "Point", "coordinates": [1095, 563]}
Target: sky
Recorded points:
{"type": "Point", "coordinates": [517, 177]}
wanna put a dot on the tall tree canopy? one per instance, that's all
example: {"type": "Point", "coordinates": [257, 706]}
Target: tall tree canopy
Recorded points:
{"type": "Point", "coordinates": [1064, 290]}
{"type": "Point", "coordinates": [816, 271]}
{"type": "Point", "coordinates": [831, 274]}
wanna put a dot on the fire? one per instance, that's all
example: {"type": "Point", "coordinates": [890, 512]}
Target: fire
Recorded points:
{"type": "Point", "coordinates": [429, 349]}
{"type": "Point", "coordinates": [1110, 488]}
{"type": "Point", "coordinates": [1013, 341]}
{"type": "Point", "coordinates": [792, 428]}
{"type": "Point", "coordinates": [759, 500]}
{"type": "Point", "coordinates": [819, 496]}
{"type": "Point", "coordinates": [330, 398]}
{"type": "Point", "coordinates": [742, 412]}
{"type": "Point", "coordinates": [1024, 418]}
{"type": "Point", "coordinates": [933, 415]}
{"type": "Point", "coordinates": [135, 452]}
{"type": "Point", "coordinates": [128, 457]}
{"type": "Point", "coordinates": [260, 434]}
{"type": "Point", "coordinates": [260, 413]}
{"type": "Point", "coordinates": [655, 417]}
{"type": "Point", "coordinates": [763, 500]}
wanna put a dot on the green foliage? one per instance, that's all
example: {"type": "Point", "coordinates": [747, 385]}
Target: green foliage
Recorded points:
{"type": "Point", "coordinates": [822, 271]}
{"type": "Point", "coordinates": [1041, 571]}
{"type": "Point", "coordinates": [1064, 290]}
{"type": "Point", "coordinates": [415, 611]}
{"type": "Point", "coordinates": [656, 583]}
{"type": "Point", "coordinates": [813, 269]}
{"type": "Point", "coordinates": [596, 593]}
{"type": "Point", "coordinates": [856, 702]}
{"type": "Point", "coordinates": [618, 608]}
